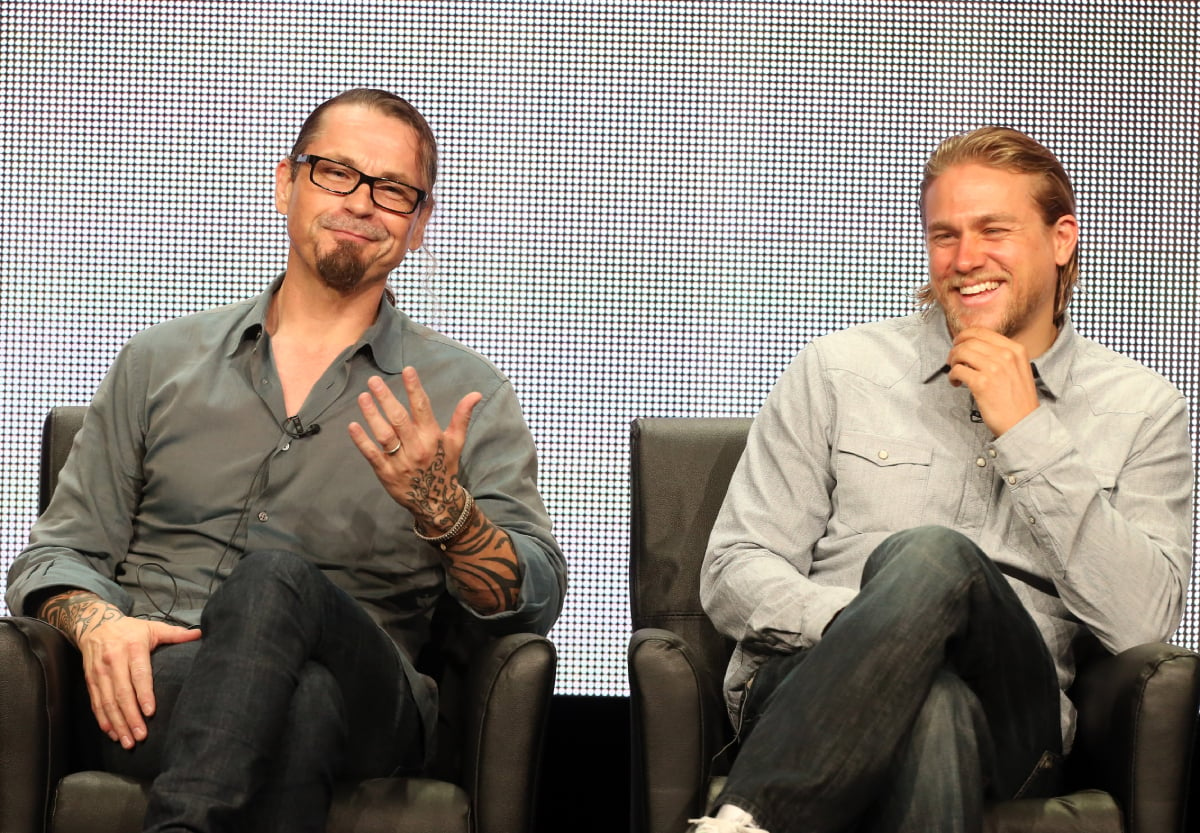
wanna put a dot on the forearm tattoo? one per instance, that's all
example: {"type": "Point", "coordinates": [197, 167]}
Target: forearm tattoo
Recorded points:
{"type": "Point", "coordinates": [78, 612]}
{"type": "Point", "coordinates": [481, 559]}
{"type": "Point", "coordinates": [483, 563]}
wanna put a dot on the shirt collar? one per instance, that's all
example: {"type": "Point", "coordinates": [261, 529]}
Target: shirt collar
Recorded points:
{"type": "Point", "coordinates": [1050, 369]}
{"type": "Point", "coordinates": [382, 342]}
{"type": "Point", "coordinates": [252, 324]}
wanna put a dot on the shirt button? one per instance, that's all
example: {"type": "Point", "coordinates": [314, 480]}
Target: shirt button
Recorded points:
{"type": "Point", "coordinates": [1012, 480]}
{"type": "Point", "coordinates": [980, 462]}
{"type": "Point", "coordinates": [285, 447]}
{"type": "Point", "coordinates": [992, 452]}
{"type": "Point", "coordinates": [1032, 520]}
{"type": "Point", "coordinates": [264, 517]}
{"type": "Point", "coordinates": [883, 455]}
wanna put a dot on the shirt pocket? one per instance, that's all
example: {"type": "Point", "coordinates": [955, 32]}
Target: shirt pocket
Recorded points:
{"type": "Point", "coordinates": [881, 482]}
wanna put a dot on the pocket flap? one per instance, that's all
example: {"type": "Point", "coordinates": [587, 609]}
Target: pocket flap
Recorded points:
{"type": "Point", "coordinates": [884, 451]}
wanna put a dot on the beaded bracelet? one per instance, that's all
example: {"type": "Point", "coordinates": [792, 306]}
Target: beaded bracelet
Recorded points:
{"type": "Point", "coordinates": [448, 535]}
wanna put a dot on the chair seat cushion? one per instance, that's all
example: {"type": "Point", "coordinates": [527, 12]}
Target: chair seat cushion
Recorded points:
{"type": "Point", "coordinates": [1086, 811]}
{"type": "Point", "coordinates": [86, 802]}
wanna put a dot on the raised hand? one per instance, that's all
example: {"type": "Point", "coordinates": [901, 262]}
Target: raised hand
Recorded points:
{"type": "Point", "coordinates": [418, 464]}
{"type": "Point", "coordinates": [997, 371]}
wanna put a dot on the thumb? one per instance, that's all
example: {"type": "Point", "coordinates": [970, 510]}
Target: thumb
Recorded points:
{"type": "Point", "coordinates": [163, 634]}
{"type": "Point", "coordinates": [457, 429]}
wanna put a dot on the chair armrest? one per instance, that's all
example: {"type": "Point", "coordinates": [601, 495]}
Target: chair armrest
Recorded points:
{"type": "Point", "coordinates": [1137, 716]}
{"type": "Point", "coordinates": [507, 701]}
{"type": "Point", "coordinates": [38, 672]}
{"type": "Point", "coordinates": [678, 727]}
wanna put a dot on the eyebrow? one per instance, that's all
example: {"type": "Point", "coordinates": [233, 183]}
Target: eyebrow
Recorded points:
{"type": "Point", "coordinates": [983, 220]}
{"type": "Point", "coordinates": [358, 167]}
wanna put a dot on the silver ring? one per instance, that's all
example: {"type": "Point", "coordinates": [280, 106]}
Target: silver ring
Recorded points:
{"type": "Point", "coordinates": [390, 451]}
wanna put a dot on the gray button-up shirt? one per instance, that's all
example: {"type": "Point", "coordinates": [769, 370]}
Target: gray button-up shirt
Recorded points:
{"type": "Point", "coordinates": [183, 464]}
{"type": "Point", "coordinates": [1086, 504]}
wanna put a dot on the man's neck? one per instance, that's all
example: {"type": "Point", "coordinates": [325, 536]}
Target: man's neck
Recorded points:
{"type": "Point", "coordinates": [320, 316]}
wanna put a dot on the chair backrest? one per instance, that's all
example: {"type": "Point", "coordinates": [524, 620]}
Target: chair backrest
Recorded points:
{"type": "Point", "coordinates": [681, 468]}
{"type": "Point", "coordinates": [58, 433]}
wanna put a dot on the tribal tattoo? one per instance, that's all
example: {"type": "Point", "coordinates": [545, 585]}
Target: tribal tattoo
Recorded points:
{"type": "Point", "coordinates": [434, 494]}
{"type": "Point", "coordinates": [78, 612]}
{"type": "Point", "coordinates": [483, 563]}
{"type": "Point", "coordinates": [480, 559]}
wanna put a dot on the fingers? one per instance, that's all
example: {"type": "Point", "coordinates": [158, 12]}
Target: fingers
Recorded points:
{"type": "Point", "coordinates": [366, 445]}
{"type": "Point", "coordinates": [997, 371]}
{"type": "Point", "coordinates": [385, 427]}
{"type": "Point", "coordinates": [985, 349]}
{"type": "Point", "coordinates": [120, 677]}
{"type": "Point", "coordinates": [110, 676]}
{"type": "Point", "coordinates": [416, 428]}
{"type": "Point", "coordinates": [418, 400]}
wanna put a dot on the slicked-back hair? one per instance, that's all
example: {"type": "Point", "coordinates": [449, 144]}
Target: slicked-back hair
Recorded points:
{"type": "Point", "coordinates": [1005, 149]}
{"type": "Point", "coordinates": [386, 104]}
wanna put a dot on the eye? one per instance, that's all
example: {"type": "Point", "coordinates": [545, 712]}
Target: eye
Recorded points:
{"type": "Point", "coordinates": [334, 172]}
{"type": "Point", "coordinates": [389, 190]}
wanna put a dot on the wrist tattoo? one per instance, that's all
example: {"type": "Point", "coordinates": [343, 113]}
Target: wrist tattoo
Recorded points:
{"type": "Point", "coordinates": [78, 613]}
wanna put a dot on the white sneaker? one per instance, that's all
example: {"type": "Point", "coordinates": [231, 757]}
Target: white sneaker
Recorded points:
{"type": "Point", "coordinates": [707, 824]}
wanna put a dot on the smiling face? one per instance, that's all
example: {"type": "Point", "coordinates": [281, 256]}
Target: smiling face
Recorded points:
{"type": "Point", "coordinates": [347, 242]}
{"type": "Point", "coordinates": [993, 260]}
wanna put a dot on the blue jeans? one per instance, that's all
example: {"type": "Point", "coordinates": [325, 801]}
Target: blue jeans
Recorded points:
{"type": "Point", "coordinates": [930, 693]}
{"type": "Point", "coordinates": [291, 686]}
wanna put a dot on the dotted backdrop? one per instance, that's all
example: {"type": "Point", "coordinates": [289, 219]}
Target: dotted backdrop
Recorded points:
{"type": "Point", "coordinates": [645, 208]}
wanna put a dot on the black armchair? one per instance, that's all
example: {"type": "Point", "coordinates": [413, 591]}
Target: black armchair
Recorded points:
{"type": "Point", "coordinates": [495, 695]}
{"type": "Point", "coordinates": [1129, 769]}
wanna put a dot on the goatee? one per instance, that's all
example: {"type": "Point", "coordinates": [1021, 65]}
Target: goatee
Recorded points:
{"type": "Point", "coordinates": [342, 269]}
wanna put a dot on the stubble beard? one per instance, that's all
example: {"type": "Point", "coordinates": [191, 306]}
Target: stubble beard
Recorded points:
{"type": "Point", "coordinates": [342, 269]}
{"type": "Point", "coordinates": [1015, 316]}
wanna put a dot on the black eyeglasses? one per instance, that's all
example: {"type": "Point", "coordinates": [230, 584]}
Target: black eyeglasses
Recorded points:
{"type": "Point", "coordinates": [340, 178]}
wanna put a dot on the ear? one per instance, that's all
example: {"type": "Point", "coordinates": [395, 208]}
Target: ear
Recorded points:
{"type": "Point", "coordinates": [1066, 238]}
{"type": "Point", "coordinates": [283, 185]}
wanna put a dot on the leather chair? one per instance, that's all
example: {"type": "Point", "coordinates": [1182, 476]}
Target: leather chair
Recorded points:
{"type": "Point", "coordinates": [1128, 771]}
{"type": "Point", "coordinates": [495, 696]}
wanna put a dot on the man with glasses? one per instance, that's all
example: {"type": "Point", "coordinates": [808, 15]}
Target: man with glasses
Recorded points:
{"type": "Point", "coordinates": [932, 515]}
{"type": "Point", "coordinates": [253, 528]}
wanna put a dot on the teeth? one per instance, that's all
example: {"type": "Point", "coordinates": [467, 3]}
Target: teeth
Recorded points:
{"type": "Point", "coordinates": [979, 287]}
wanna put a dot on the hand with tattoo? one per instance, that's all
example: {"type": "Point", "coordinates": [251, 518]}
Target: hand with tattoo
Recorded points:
{"type": "Point", "coordinates": [116, 658]}
{"type": "Point", "coordinates": [417, 463]}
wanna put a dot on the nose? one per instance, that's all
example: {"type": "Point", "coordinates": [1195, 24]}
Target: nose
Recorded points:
{"type": "Point", "coordinates": [968, 254]}
{"type": "Point", "coordinates": [360, 201]}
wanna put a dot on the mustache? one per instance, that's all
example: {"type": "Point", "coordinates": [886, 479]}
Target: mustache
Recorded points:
{"type": "Point", "coordinates": [335, 223]}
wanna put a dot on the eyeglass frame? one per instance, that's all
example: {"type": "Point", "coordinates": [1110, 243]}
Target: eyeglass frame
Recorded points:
{"type": "Point", "coordinates": [312, 158]}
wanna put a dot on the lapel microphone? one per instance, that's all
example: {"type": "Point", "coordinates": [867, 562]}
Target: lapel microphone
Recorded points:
{"type": "Point", "coordinates": [295, 429]}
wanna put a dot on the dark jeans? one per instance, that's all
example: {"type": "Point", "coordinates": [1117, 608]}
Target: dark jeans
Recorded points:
{"type": "Point", "coordinates": [932, 692]}
{"type": "Point", "coordinates": [291, 686]}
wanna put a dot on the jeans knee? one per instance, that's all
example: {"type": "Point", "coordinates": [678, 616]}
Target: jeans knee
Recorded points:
{"type": "Point", "coordinates": [925, 548]}
{"type": "Point", "coordinates": [260, 582]}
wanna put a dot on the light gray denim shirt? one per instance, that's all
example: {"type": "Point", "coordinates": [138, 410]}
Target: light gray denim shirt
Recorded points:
{"type": "Point", "coordinates": [1086, 504]}
{"type": "Point", "coordinates": [183, 464]}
